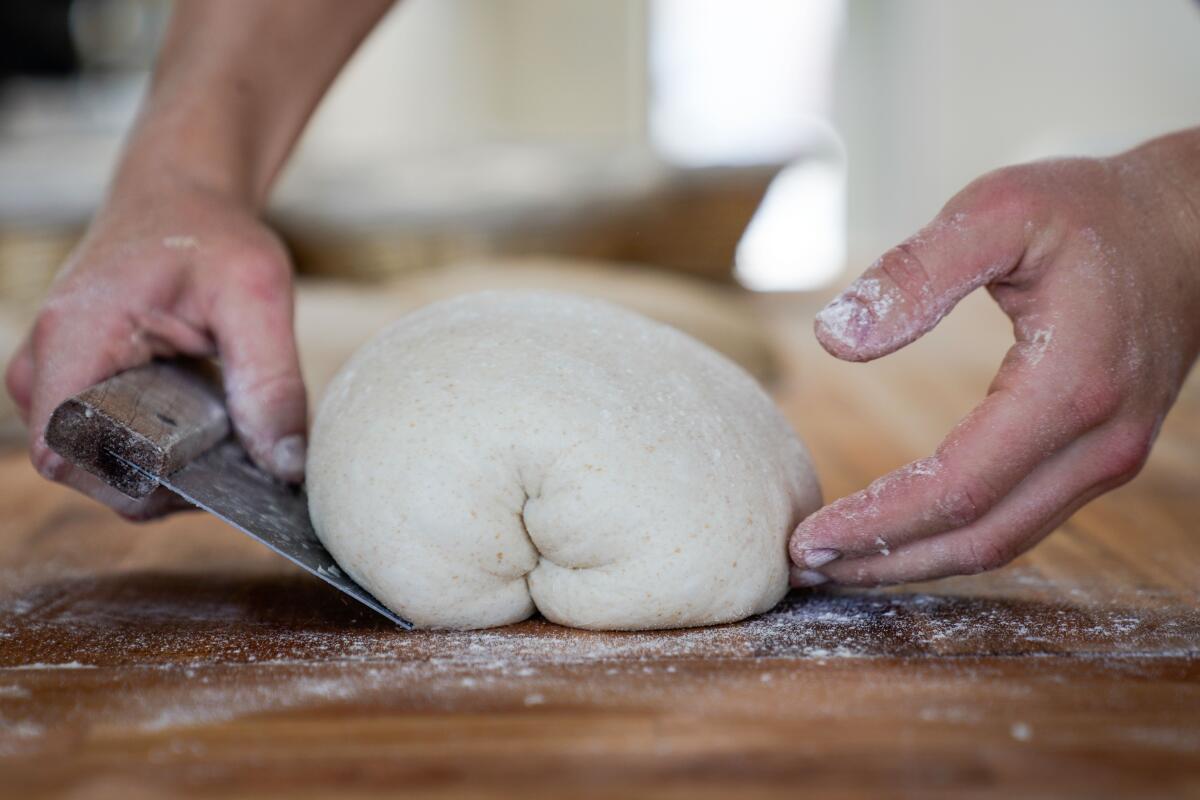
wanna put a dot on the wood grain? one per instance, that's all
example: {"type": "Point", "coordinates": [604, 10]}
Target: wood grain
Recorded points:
{"type": "Point", "coordinates": [180, 658]}
{"type": "Point", "coordinates": [156, 417]}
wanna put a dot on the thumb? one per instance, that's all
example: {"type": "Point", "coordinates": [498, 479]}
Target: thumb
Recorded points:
{"type": "Point", "coordinates": [263, 386]}
{"type": "Point", "coordinates": [904, 294]}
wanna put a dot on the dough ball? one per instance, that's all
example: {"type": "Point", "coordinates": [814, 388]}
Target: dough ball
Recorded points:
{"type": "Point", "coordinates": [506, 452]}
{"type": "Point", "coordinates": [335, 318]}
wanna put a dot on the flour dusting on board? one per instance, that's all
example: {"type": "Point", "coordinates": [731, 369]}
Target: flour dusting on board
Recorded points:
{"type": "Point", "coordinates": [196, 671]}
{"type": "Point", "coordinates": [196, 628]}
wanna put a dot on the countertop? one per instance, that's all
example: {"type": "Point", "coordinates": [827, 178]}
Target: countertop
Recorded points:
{"type": "Point", "coordinates": [181, 658]}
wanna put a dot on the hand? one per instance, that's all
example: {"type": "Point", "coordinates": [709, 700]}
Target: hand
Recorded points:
{"type": "Point", "coordinates": [1097, 263]}
{"type": "Point", "coordinates": [177, 261]}
{"type": "Point", "coordinates": [170, 267]}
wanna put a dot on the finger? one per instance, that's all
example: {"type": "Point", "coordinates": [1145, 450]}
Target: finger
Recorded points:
{"type": "Point", "coordinates": [1026, 418]}
{"type": "Point", "coordinates": [69, 350]}
{"type": "Point", "coordinates": [18, 379]}
{"type": "Point", "coordinates": [167, 334]}
{"type": "Point", "coordinates": [156, 504]}
{"type": "Point", "coordinates": [1097, 463]}
{"type": "Point", "coordinates": [72, 349]}
{"type": "Point", "coordinates": [973, 242]}
{"type": "Point", "coordinates": [264, 389]}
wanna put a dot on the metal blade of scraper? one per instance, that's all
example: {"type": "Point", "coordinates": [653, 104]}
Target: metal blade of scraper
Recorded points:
{"type": "Point", "coordinates": [225, 482]}
{"type": "Point", "coordinates": [162, 426]}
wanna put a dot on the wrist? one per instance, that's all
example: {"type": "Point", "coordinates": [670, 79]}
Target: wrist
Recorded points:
{"type": "Point", "coordinates": [186, 142]}
{"type": "Point", "coordinates": [234, 85]}
{"type": "Point", "coordinates": [1172, 164]}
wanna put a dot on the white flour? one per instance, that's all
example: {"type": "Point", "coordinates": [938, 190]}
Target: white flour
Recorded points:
{"type": "Point", "coordinates": [201, 662]}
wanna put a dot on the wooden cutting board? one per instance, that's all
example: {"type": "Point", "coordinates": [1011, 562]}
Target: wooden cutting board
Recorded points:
{"type": "Point", "coordinates": [181, 658]}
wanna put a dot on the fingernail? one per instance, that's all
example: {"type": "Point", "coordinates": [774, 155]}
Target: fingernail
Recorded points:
{"type": "Point", "coordinates": [806, 577]}
{"type": "Point", "coordinates": [51, 466]}
{"type": "Point", "coordinates": [288, 456]}
{"type": "Point", "coordinates": [845, 320]}
{"type": "Point", "coordinates": [819, 557]}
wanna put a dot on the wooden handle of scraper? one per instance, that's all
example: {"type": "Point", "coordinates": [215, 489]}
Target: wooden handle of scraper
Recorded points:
{"type": "Point", "coordinates": [157, 417]}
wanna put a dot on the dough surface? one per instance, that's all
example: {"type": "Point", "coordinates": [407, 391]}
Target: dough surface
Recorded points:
{"type": "Point", "coordinates": [503, 451]}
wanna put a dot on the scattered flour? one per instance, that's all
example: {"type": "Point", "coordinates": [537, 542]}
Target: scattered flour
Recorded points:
{"type": "Point", "coordinates": [871, 318]}
{"type": "Point", "coordinates": [207, 704]}
{"type": "Point", "coordinates": [197, 672]}
{"type": "Point", "coordinates": [59, 665]}
{"type": "Point", "coordinates": [180, 243]}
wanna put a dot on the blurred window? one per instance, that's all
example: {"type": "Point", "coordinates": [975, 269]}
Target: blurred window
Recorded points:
{"type": "Point", "coordinates": [741, 81]}
{"type": "Point", "coordinates": [736, 82]}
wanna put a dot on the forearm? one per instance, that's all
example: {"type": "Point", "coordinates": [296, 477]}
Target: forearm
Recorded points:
{"type": "Point", "coordinates": [235, 83]}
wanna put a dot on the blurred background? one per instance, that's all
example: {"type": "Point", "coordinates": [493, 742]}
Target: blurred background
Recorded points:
{"type": "Point", "coordinates": [666, 152]}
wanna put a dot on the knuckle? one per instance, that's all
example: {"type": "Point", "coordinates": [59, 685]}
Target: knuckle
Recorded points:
{"type": "Point", "coordinates": [49, 320]}
{"type": "Point", "coordinates": [16, 381]}
{"type": "Point", "coordinates": [264, 273]}
{"type": "Point", "coordinates": [967, 500]}
{"type": "Point", "coordinates": [1125, 452]}
{"type": "Point", "coordinates": [270, 387]}
{"type": "Point", "coordinates": [67, 321]}
{"type": "Point", "coordinates": [1006, 192]}
{"type": "Point", "coordinates": [1093, 402]}
{"type": "Point", "coordinates": [984, 554]}
{"type": "Point", "coordinates": [262, 402]}
{"type": "Point", "coordinates": [904, 267]}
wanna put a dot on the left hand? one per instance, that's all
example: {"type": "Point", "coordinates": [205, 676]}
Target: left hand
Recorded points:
{"type": "Point", "coordinates": [1097, 263]}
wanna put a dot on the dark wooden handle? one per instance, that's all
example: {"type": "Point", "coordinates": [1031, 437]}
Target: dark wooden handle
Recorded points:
{"type": "Point", "coordinates": [158, 417]}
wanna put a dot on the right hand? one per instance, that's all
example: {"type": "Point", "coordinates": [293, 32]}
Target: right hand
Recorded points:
{"type": "Point", "coordinates": [169, 267]}
{"type": "Point", "coordinates": [1095, 261]}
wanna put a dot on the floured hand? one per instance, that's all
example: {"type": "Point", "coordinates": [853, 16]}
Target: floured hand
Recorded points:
{"type": "Point", "coordinates": [177, 261]}
{"type": "Point", "coordinates": [170, 267]}
{"type": "Point", "coordinates": [1097, 262]}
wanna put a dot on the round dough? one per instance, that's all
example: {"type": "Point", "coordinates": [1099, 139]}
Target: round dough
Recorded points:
{"type": "Point", "coordinates": [506, 451]}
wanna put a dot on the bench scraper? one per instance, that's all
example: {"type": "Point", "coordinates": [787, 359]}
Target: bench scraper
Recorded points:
{"type": "Point", "coordinates": [164, 425]}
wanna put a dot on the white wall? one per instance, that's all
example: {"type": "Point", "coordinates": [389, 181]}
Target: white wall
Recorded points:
{"type": "Point", "coordinates": [442, 73]}
{"type": "Point", "coordinates": [419, 79]}
{"type": "Point", "coordinates": [929, 93]}
{"type": "Point", "coordinates": [935, 92]}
